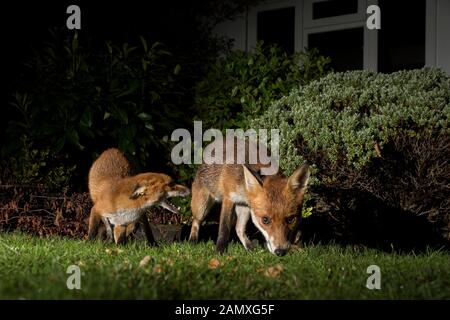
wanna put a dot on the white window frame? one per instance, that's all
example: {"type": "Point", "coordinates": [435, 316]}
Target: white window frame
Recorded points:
{"type": "Point", "coordinates": [305, 25]}
{"type": "Point", "coordinates": [343, 22]}
{"type": "Point", "coordinates": [335, 20]}
{"type": "Point", "coordinates": [431, 20]}
{"type": "Point", "coordinates": [274, 5]}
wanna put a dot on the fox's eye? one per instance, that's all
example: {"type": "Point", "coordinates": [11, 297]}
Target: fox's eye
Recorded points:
{"type": "Point", "coordinates": [266, 220]}
{"type": "Point", "coordinates": [290, 220]}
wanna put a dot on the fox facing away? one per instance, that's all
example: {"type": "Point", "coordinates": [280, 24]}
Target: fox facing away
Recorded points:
{"type": "Point", "coordinates": [273, 202]}
{"type": "Point", "coordinates": [121, 199]}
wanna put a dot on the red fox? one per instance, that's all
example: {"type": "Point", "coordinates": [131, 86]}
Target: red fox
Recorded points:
{"type": "Point", "coordinates": [274, 203]}
{"type": "Point", "coordinates": [120, 199]}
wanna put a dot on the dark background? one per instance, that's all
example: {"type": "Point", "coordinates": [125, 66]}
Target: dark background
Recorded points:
{"type": "Point", "coordinates": [26, 25]}
{"type": "Point", "coordinates": [181, 26]}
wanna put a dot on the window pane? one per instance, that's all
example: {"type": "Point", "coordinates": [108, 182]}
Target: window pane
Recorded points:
{"type": "Point", "coordinates": [332, 8]}
{"type": "Point", "coordinates": [401, 42]}
{"type": "Point", "coordinates": [277, 27]}
{"type": "Point", "coordinates": [344, 47]}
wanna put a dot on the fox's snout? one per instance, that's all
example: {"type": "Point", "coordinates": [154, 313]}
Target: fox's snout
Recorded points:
{"type": "Point", "coordinates": [174, 190]}
{"type": "Point", "coordinates": [178, 191]}
{"type": "Point", "coordinates": [280, 252]}
{"type": "Point", "coordinates": [278, 246]}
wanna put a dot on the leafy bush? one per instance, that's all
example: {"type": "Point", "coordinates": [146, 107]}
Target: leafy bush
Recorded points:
{"type": "Point", "coordinates": [31, 166]}
{"type": "Point", "coordinates": [378, 143]}
{"type": "Point", "coordinates": [242, 85]}
{"type": "Point", "coordinates": [75, 97]}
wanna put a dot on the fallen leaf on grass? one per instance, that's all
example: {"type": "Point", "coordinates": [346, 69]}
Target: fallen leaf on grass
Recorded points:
{"type": "Point", "coordinates": [169, 261]}
{"type": "Point", "coordinates": [126, 265]}
{"type": "Point", "coordinates": [113, 251]}
{"type": "Point", "coordinates": [213, 263]}
{"type": "Point", "coordinates": [144, 261]}
{"type": "Point", "coordinates": [157, 269]}
{"type": "Point", "coordinates": [272, 272]}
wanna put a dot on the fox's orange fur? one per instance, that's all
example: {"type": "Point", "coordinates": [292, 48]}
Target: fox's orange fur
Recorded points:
{"type": "Point", "coordinates": [120, 200]}
{"type": "Point", "coordinates": [273, 202]}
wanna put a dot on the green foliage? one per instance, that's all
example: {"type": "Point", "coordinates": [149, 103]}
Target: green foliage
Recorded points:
{"type": "Point", "coordinates": [384, 137]}
{"type": "Point", "coordinates": [76, 97]}
{"type": "Point", "coordinates": [31, 166]}
{"type": "Point", "coordinates": [306, 211]}
{"type": "Point", "coordinates": [242, 85]}
{"type": "Point", "coordinates": [347, 113]}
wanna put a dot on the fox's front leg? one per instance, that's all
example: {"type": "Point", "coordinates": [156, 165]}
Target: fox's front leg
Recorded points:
{"type": "Point", "coordinates": [243, 215]}
{"type": "Point", "coordinates": [226, 221]}
{"type": "Point", "coordinates": [201, 203]}
{"type": "Point", "coordinates": [94, 221]}
{"type": "Point", "coordinates": [109, 229]}
{"type": "Point", "coordinates": [147, 230]}
{"type": "Point", "coordinates": [120, 234]}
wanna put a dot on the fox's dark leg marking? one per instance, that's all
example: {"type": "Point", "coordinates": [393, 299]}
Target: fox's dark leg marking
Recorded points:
{"type": "Point", "coordinates": [226, 221]}
{"type": "Point", "coordinates": [147, 230]}
{"type": "Point", "coordinates": [94, 221]}
{"type": "Point", "coordinates": [109, 229]}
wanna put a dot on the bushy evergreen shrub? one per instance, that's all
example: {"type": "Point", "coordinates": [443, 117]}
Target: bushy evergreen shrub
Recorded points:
{"type": "Point", "coordinates": [371, 137]}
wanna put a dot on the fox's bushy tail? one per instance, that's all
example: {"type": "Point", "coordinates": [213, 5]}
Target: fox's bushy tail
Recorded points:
{"type": "Point", "coordinates": [111, 165]}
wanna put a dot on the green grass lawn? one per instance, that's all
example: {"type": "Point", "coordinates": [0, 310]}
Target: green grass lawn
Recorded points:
{"type": "Point", "coordinates": [35, 268]}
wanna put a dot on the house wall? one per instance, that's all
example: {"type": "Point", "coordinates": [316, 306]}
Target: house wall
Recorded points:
{"type": "Point", "coordinates": [437, 52]}
{"type": "Point", "coordinates": [443, 35]}
{"type": "Point", "coordinates": [236, 30]}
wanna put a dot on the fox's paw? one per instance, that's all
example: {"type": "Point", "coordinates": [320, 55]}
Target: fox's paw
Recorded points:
{"type": "Point", "coordinates": [220, 248]}
{"type": "Point", "coordinates": [91, 236]}
{"type": "Point", "coordinates": [193, 239]}
{"type": "Point", "coordinates": [251, 245]}
{"type": "Point", "coordinates": [153, 243]}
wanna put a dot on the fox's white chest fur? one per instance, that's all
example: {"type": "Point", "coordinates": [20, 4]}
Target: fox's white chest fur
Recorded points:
{"type": "Point", "coordinates": [124, 217]}
{"type": "Point", "coordinates": [239, 196]}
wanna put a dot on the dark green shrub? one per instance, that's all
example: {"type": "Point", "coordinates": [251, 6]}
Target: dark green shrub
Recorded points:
{"type": "Point", "coordinates": [31, 166]}
{"type": "Point", "coordinates": [378, 142]}
{"type": "Point", "coordinates": [77, 99]}
{"type": "Point", "coordinates": [242, 85]}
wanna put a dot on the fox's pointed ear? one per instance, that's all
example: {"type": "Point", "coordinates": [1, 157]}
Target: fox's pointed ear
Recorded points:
{"type": "Point", "coordinates": [138, 191]}
{"type": "Point", "coordinates": [251, 181]}
{"type": "Point", "coordinates": [299, 179]}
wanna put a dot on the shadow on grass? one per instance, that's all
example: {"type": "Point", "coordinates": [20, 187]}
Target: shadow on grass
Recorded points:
{"type": "Point", "coordinates": [387, 230]}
